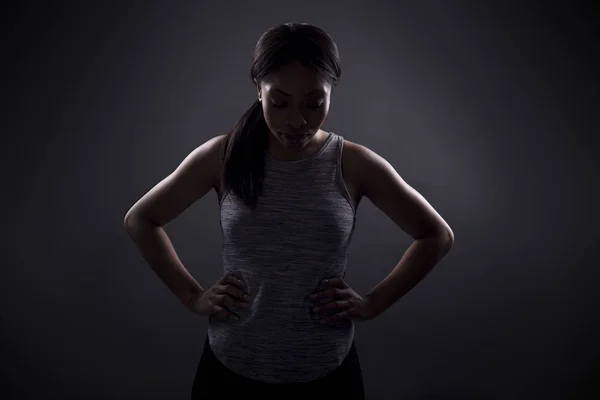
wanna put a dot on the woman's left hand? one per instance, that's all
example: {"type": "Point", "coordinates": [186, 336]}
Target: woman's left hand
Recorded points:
{"type": "Point", "coordinates": [348, 303]}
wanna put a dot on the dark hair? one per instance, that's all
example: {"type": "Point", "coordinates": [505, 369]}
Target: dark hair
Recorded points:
{"type": "Point", "coordinates": [243, 153]}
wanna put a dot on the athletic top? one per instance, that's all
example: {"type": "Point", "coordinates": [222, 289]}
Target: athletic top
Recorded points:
{"type": "Point", "coordinates": [298, 236]}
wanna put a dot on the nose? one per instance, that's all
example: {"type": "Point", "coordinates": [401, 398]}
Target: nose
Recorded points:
{"type": "Point", "coordinates": [296, 121]}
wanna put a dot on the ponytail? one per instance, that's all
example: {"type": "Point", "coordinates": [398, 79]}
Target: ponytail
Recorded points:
{"type": "Point", "coordinates": [243, 156]}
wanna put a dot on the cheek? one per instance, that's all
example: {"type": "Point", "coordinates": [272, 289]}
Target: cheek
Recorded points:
{"type": "Point", "coordinates": [270, 114]}
{"type": "Point", "coordinates": [321, 114]}
{"type": "Point", "coordinates": [317, 117]}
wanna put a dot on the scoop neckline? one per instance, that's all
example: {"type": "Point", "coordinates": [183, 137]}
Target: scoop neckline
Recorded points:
{"type": "Point", "coordinates": [316, 154]}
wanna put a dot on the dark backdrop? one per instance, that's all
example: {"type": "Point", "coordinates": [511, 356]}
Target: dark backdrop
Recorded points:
{"type": "Point", "coordinates": [490, 111]}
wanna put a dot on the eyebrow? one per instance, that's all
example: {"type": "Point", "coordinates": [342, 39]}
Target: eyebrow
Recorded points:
{"type": "Point", "coordinates": [306, 95]}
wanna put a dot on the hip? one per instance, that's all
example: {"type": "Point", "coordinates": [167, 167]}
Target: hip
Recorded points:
{"type": "Point", "coordinates": [212, 376]}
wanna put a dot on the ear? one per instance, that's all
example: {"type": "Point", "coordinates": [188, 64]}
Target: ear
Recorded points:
{"type": "Point", "coordinates": [259, 91]}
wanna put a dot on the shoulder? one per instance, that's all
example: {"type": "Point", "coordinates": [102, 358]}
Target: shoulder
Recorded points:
{"type": "Point", "coordinates": [207, 156]}
{"type": "Point", "coordinates": [365, 159]}
{"type": "Point", "coordinates": [362, 163]}
{"type": "Point", "coordinates": [373, 174]}
{"type": "Point", "coordinates": [211, 149]}
{"type": "Point", "coordinates": [218, 141]}
{"type": "Point", "coordinates": [389, 192]}
{"type": "Point", "coordinates": [353, 150]}
{"type": "Point", "coordinates": [217, 145]}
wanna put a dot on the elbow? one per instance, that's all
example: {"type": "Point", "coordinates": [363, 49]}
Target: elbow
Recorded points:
{"type": "Point", "coordinates": [445, 237]}
{"type": "Point", "coordinates": [130, 220]}
{"type": "Point", "coordinates": [128, 223]}
{"type": "Point", "coordinates": [134, 221]}
{"type": "Point", "coordinates": [449, 237]}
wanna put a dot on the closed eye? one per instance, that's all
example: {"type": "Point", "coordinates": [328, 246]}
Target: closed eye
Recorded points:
{"type": "Point", "coordinates": [285, 105]}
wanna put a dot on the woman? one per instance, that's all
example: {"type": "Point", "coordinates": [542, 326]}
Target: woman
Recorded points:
{"type": "Point", "coordinates": [281, 318]}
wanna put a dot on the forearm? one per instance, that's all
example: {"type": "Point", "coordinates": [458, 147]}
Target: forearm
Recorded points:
{"type": "Point", "coordinates": [158, 251]}
{"type": "Point", "coordinates": [418, 260]}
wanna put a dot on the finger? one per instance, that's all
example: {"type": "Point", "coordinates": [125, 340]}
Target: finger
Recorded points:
{"type": "Point", "coordinates": [319, 294]}
{"type": "Point", "coordinates": [237, 282]}
{"type": "Point", "coordinates": [237, 294]}
{"type": "Point", "coordinates": [228, 300]}
{"type": "Point", "coordinates": [334, 282]}
{"type": "Point", "coordinates": [231, 279]}
{"type": "Point", "coordinates": [217, 309]}
{"type": "Point", "coordinates": [232, 316]}
{"type": "Point", "coordinates": [219, 299]}
{"type": "Point", "coordinates": [225, 313]}
{"type": "Point", "coordinates": [234, 301]}
{"type": "Point", "coordinates": [234, 287]}
{"type": "Point", "coordinates": [224, 300]}
{"type": "Point", "coordinates": [334, 305]}
{"type": "Point", "coordinates": [331, 292]}
{"type": "Point", "coordinates": [337, 317]}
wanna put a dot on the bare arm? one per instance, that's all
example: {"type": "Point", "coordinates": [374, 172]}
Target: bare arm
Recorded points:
{"type": "Point", "coordinates": [144, 222]}
{"type": "Point", "coordinates": [413, 214]}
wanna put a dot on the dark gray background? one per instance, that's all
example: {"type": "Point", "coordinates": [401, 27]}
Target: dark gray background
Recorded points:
{"type": "Point", "coordinates": [490, 111]}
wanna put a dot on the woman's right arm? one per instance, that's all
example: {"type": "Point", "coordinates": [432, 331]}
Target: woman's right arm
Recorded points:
{"type": "Point", "coordinates": [144, 221]}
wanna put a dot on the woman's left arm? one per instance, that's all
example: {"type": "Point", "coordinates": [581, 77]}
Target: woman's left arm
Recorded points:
{"type": "Point", "coordinates": [433, 237]}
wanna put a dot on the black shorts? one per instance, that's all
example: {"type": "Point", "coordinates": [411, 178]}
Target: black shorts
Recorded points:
{"type": "Point", "coordinates": [213, 380]}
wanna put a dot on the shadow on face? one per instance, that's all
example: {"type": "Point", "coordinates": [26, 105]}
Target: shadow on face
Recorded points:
{"type": "Point", "coordinates": [295, 102]}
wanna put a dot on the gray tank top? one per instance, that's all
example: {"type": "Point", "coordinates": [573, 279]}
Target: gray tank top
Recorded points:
{"type": "Point", "coordinates": [298, 235]}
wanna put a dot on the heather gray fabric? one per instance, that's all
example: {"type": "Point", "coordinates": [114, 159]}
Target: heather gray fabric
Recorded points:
{"type": "Point", "coordinates": [299, 235]}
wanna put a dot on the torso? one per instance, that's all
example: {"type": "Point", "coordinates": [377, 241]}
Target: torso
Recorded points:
{"type": "Point", "coordinates": [350, 172]}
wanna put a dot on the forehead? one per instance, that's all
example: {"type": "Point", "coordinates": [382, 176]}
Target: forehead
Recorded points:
{"type": "Point", "coordinates": [296, 79]}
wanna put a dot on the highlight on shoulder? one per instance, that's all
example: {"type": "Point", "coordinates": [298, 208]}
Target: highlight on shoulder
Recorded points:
{"type": "Point", "coordinates": [195, 176]}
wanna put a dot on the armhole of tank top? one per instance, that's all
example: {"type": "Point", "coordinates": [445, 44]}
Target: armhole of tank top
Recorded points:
{"type": "Point", "coordinates": [222, 199]}
{"type": "Point", "coordinates": [340, 175]}
{"type": "Point", "coordinates": [220, 196]}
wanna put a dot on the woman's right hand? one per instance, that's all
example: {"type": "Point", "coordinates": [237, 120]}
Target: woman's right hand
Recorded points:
{"type": "Point", "coordinates": [217, 300]}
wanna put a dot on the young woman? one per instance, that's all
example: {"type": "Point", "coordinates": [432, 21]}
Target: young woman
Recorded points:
{"type": "Point", "coordinates": [281, 318]}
